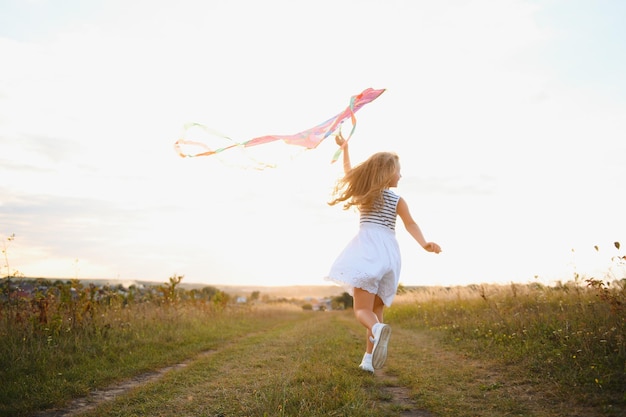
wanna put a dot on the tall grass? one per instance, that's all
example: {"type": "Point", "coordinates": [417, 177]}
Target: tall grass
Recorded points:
{"type": "Point", "coordinates": [66, 340]}
{"type": "Point", "coordinates": [570, 335]}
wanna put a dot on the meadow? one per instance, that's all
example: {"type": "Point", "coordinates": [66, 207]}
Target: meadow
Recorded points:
{"type": "Point", "coordinates": [481, 350]}
{"type": "Point", "coordinates": [568, 340]}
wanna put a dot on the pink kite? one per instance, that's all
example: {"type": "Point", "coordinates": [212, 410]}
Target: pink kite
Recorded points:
{"type": "Point", "coordinates": [309, 139]}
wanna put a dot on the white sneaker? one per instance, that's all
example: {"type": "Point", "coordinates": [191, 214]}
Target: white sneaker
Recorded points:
{"type": "Point", "coordinates": [366, 363]}
{"type": "Point", "coordinates": [382, 333]}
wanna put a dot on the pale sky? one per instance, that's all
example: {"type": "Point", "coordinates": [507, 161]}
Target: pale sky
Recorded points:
{"type": "Point", "coordinates": [509, 117]}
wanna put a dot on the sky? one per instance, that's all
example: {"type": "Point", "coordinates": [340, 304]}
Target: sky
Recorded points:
{"type": "Point", "coordinates": [509, 117]}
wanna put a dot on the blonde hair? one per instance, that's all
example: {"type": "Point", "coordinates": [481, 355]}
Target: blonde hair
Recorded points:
{"type": "Point", "coordinates": [363, 185]}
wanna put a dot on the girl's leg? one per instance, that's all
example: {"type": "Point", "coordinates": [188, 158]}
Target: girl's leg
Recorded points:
{"type": "Point", "coordinates": [378, 311]}
{"type": "Point", "coordinates": [368, 309]}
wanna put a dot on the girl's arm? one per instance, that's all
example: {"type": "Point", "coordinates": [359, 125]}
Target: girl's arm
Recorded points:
{"type": "Point", "coordinates": [347, 166]}
{"type": "Point", "coordinates": [413, 229]}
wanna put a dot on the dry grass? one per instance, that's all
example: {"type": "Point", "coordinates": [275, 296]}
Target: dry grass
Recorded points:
{"type": "Point", "coordinates": [480, 351]}
{"type": "Point", "coordinates": [571, 339]}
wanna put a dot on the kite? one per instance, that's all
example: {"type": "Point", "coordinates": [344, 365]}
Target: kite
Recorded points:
{"type": "Point", "coordinates": [308, 139]}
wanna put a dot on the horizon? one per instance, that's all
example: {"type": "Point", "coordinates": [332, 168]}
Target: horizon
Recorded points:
{"type": "Point", "coordinates": [129, 282]}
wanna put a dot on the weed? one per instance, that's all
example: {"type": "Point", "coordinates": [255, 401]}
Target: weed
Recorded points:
{"type": "Point", "coordinates": [572, 336]}
{"type": "Point", "coordinates": [5, 253]}
{"type": "Point", "coordinates": [61, 339]}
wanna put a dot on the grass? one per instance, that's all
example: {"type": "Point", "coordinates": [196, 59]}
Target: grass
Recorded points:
{"type": "Point", "coordinates": [47, 368]}
{"type": "Point", "coordinates": [304, 367]}
{"type": "Point", "coordinates": [478, 351]}
{"type": "Point", "coordinates": [567, 339]}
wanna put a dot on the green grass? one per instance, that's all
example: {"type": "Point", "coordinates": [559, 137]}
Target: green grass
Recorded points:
{"type": "Point", "coordinates": [480, 351]}
{"type": "Point", "coordinates": [45, 369]}
{"type": "Point", "coordinates": [567, 338]}
{"type": "Point", "coordinates": [305, 367]}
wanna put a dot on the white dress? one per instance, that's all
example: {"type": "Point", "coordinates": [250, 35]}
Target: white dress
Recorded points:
{"type": "Point", "coordinates": [371, 260]}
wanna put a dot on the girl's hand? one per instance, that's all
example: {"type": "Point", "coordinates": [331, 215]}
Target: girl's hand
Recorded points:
{"type": "Point", "coordinates": [432, 247]}
{"type": "Point", "coordinates": [339, 139]}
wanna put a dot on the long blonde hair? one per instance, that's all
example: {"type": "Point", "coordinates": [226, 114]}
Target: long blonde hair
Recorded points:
{"type": "Point", "coordinates": [363, 185]}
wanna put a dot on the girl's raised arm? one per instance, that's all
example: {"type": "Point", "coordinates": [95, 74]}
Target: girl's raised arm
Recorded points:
{"type": "Point", "coordinates": [347, 166]}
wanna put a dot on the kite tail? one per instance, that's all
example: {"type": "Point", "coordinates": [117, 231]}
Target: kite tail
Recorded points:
{"type": "Point", "coordinates": [309, 138]}
{"type": "Point", "coordinates": [208, 151]}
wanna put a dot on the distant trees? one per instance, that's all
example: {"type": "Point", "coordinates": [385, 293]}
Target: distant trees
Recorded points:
{"type": "Point", "coordinates": [344, 300]}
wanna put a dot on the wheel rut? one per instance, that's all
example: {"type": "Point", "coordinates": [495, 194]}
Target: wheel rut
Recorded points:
{"type": "Point", "coordinates": [401, 396]}
{"type": "Point", "coordinates": [99, 396]}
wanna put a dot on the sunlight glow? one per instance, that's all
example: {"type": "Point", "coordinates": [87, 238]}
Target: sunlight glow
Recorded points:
{"type": "Point", "coordinates": [509, 161]}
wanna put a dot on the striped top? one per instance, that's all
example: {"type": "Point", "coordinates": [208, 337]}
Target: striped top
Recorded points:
{"type": "Point", "coordinates": [386, 216]}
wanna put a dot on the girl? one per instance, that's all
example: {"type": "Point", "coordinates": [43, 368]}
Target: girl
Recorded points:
{"type": "Point", "coordinates": [369, 266]}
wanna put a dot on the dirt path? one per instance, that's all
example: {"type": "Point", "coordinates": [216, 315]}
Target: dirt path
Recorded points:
{"type": "Point", "coordinates": [401, 396]}
{"type": "Point", "coordinates": [97, 397]}
{"type": "Point", "coordinates": [422, 378]}
{"type": "Point", "coordinates": [82, 405]}
{"type": "Point", "coordinates": [447, 380]}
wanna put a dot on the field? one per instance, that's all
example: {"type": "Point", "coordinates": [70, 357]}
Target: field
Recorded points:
{"type": "Point", "coordinates": [517, 350]}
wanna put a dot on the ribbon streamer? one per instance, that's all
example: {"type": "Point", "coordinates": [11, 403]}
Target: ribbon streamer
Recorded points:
{"type": "Point", "coordinates": [308, 139]}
